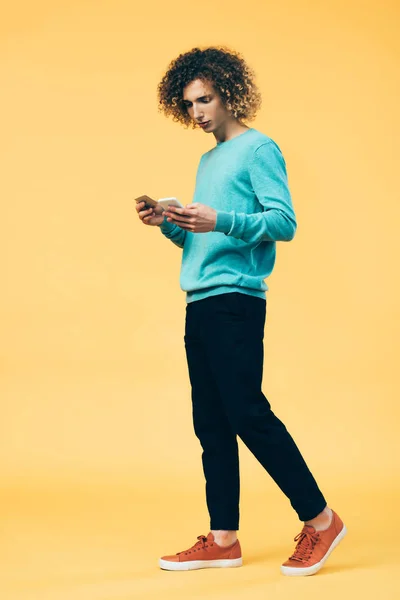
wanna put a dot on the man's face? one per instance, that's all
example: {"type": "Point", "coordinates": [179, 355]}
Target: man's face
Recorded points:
{"type": "Point", "coordinates": [204, 105]}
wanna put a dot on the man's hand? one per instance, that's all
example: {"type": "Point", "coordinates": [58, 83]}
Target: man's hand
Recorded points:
{"type": "Point", "coordinates": [151, 216]}
{"type": "Point", "coordinates": [197, 218]}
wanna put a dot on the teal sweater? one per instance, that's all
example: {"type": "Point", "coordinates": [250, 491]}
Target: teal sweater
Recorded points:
{"type": "Point", "coordinates": [244, 179]}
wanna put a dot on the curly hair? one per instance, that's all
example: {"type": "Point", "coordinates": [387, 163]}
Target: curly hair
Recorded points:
{"type": "Point", "coordinates": [225, 69]}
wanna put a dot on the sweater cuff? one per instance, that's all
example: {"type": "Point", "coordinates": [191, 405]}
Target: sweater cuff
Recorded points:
{"type": "Point", "coordinates": [166, 226]}
{"type": "Point", "coordinates": [224, 222]}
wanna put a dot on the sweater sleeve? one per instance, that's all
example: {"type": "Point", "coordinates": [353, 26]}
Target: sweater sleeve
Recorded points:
{"type": "Point", "coordinates": [174, 233]}
{"type": "Point", "coordinates": [268, 178]}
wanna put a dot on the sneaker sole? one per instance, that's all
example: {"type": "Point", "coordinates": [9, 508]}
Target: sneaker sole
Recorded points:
{"type": "Point", "coordinates": [191, 565]}
{"type": "Point", "coordinates": [299, 571]}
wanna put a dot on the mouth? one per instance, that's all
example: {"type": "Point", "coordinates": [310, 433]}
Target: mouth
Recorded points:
{"type": "Point", "coordinates": [203, 124]}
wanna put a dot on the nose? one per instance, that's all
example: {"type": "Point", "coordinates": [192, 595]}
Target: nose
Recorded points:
{"type": "Point", "coordinates": [197, 113]}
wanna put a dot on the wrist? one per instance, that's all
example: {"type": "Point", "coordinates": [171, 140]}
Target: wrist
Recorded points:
{"type": "Point", "coordinates": [166, 225]}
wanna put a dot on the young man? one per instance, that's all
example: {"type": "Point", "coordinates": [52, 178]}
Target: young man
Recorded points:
{"type": "Point", "coordinates": [242, 207]}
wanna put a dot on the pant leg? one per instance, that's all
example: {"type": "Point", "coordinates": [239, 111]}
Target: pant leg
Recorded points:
{"type": "Point", "coordinates": [220, 449]}
{"type": "Point", "coordinates": [233, 337]}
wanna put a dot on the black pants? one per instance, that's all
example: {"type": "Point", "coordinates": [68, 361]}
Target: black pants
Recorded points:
{"type": "Point", "coordinates": [224, 347]}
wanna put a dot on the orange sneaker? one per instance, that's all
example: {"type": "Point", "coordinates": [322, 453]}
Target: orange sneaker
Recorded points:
{"type": "Point", "coordinates": [313, 548]}
{"type": "Point", "coordinates": [205, 553]}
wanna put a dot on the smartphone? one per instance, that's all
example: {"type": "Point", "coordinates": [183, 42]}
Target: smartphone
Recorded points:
{"type": "Point", "coordinates": [164, 202]}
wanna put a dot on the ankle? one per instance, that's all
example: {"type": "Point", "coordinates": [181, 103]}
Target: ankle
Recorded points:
{"type": "Point", "coordinates": [321, 521]}
{"type": "Point", "coordinates": [223, 537]}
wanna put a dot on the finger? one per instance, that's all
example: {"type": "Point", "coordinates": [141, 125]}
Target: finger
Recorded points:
{"type": "Point", "coordinates": [187, 227]}
{"type": "Point", "coordinates": [142, 206]}
{"type": "Point", "coordinates": [180, 223]}
{"type": "Point", "coordinates": [145, 213]}
{"type": "Point", "coordinates": [179, 211]}
{"type": "Point", "coordinates": [181, 219]}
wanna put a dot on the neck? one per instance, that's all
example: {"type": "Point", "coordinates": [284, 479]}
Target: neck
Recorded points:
{"type": "Point", "coordinates": [229, 130]}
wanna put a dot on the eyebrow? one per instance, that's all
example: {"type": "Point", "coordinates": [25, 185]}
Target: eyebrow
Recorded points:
{"type": "Point", "coordinates": [201, 98]}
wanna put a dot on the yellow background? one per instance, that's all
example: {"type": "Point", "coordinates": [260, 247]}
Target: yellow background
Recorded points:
{"type": "Point", "coordinates": [101, 471]}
